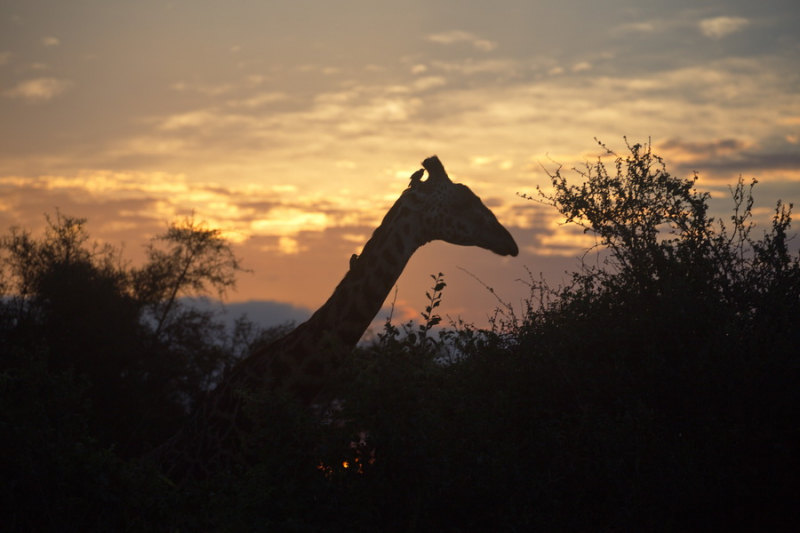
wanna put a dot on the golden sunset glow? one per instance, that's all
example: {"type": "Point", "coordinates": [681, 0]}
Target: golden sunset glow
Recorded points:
{"type": "Point", "coordinates": [292, 127]}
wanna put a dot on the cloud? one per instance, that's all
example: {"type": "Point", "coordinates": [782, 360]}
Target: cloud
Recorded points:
{"type": "Point", "coordinates": [208, 90]}
{"type": "Point", "coordinates": [428, 82]}
{"type": "Point", "coordinates": [50, 41]}
{"type": "Point", "coordinates": [458, 36]}
{"type": "Point", "coordinates": [731, 156]}
{"type": "Point", "coordinates": [238, 151]}
{"type": "Point", "coordinates": [258, 100]}
{"type": "Point", "coordinates": [469, 67]}
{"type": "Point", "coordinates": [202, 119]}
{"type": "Point", "coordinates": [459, 110]}
{"type": "Point", "coordinates": [381, 129]}
{"type": "Point", "coordinates": [4, 57]}
{"type": "Point", "coordinates": [719, 27]}
{"type": "Point", "coordinates": [789, 162]}
{"type": "Point", "coordinates": [679, 22]}
{"type": "Point", "coordinates": [251, 124]}
{"type": "Point", "coordinates": [242, 212]}
{"type": "Point", "coordinates": [38, 90]}
{"type": "Point", "coordinates": [285, 221]}
{"type": "Point", "coordinates": [701, 149]}
{"type": "Point", "coordinates": [581, 66]}
{"type": "Point", "coordinates": [636, 27]}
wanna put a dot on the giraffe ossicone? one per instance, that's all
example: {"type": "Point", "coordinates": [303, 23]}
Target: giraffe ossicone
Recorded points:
{"type": "Point", "coordinates": [303, 362]}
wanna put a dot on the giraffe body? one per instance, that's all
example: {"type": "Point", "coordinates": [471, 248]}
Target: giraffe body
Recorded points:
{"type": "Point", "coordinates": [303, 362]}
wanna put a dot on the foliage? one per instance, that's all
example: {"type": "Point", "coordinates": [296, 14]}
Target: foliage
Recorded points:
{"type": "Point", "coordinates": [89, 372]}
{"type": "Point", "coordinates": [196, 259]}
{"type": "Point", "coordinates": [658, 390]}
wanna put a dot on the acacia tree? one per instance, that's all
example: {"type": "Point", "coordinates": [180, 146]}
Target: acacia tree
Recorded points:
{"type": "Point", "coordinates": [192, 260]}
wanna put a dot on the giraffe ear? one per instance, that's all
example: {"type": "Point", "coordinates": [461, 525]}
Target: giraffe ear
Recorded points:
{"type": "Point", "coordinates": [435, 170]}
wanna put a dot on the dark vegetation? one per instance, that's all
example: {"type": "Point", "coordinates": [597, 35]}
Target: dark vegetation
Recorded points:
{"type": "Point", "coordinates": [657, 391]}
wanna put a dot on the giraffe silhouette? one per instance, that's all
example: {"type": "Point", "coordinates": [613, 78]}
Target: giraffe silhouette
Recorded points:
{"type": "Point", "coordinates": [303, 363]}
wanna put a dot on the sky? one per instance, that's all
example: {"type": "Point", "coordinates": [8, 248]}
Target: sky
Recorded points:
{"type": "Point", "coordinates": [293, 126]}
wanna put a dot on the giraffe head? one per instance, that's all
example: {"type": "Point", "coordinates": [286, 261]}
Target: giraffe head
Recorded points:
{"type": "Point", "coordinates": [451, 212]}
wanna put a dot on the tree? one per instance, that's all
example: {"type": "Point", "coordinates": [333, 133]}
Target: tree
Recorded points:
{"type": "Point", "coordinates": [145, 356]}
{"type": "Point", "coordinates": [196, 261]}
{"type": "Point", "coordinates": [664, 248]}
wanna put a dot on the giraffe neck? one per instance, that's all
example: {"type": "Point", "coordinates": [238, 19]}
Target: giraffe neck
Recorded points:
{"type": "Point", "coordinates": [359, 296]}
{"type": "Point", "coordinates": [304, 361]}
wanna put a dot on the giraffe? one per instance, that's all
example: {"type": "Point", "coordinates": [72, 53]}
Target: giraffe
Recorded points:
{"type": "Point", "coordinates": [302, 363]}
